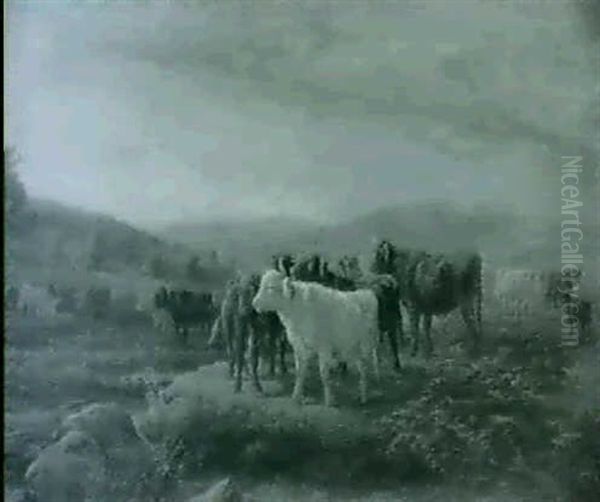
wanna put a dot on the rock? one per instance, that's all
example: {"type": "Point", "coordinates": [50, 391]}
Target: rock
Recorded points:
{"type": "Point", "coordinates": [99, 452]}
{"type": "Point", "coordinates": [70, 469]}
{"type": "Point", "coordinates": [107, 423]}
{"type": "Point", "coordinates": [223, 491]}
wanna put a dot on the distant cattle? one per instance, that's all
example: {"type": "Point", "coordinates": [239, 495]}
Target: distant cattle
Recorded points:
{"type": "Point", "coordinates": [524, 292]}
{"type": "Point", "coordinates": [186, 309]}
{"type": "Point", "coordinates": [11, 298]}
{"type": "Point", "coordinates": [35, 301]}
{"type": "Point", "coordinates": [579, 314]}
{"type": "Point", "coordinates": [521, 292]}
{"type": "Point", "coordinates": [97, 302]}
{"type": "Point", "coordinates": [322, 321]}
{"type": "Point", "coordinates": [434, 284]}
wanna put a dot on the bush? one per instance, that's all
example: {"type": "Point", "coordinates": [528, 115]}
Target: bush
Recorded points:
{"type": "Point", "coordinates": [67, 301]}
{"type": "Point", "coordinates": [97, 302]}
{"type": "Point", "coordinates": [470, 421]}
{"type": "Point", "coordinates": [577, 457]}
{"type": "Point", "coordinates": [124, 311]}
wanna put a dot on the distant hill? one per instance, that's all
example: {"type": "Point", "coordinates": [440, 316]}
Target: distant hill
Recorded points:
{"type": "Point", "coordinates": [60, 241]}
{"type": "Point", "coordinates": [506, 237]}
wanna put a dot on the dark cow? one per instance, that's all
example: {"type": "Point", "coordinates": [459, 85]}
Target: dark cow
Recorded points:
{"type": "Point", "coordinates": [276, 339]}
{"type": "Point", "coordinates": [11, 300]}
{"type": "Point", "coordinates": [584, 316]}
{"type": "Point", "coordinates": [283, 262]}
{"type": "Point", "coordinates": [186, 308]}
{"type": "Point", "coordinates": [434, 284]}
{"type": "Point", "coordinates": [243, 327]}
{"type": "Point", "coordinates": [581, 310]}
{"type": "Point", "coordinates": [559, 288]}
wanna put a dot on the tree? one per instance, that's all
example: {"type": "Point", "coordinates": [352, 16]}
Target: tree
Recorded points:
{"type": "Point", "coordinates": [158, 267]}
{"type": "Point", "coordinates": [15, 194]}
{"type": "Point", "coordinates": [193, 269]}
{"type": "Point", "coordinates": [214, 258]}
{"type": "Point", "coordinates": [99, 251]}
{"type": "Point", "coordinates": [97, 302]}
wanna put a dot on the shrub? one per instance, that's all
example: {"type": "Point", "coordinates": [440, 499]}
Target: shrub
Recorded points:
{"type": "Point", "coordinates": [577, 457]}
{"type": "Point", "coordinates": [470, 421]}
{"type": "Point", "coordinates": [97, 302]}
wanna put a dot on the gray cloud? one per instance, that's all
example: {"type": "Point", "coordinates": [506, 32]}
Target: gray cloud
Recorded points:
{"type": "Point", "coordinates": [308, 109]}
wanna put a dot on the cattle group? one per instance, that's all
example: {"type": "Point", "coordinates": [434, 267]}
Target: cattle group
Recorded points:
{"type": "Point", "coordinates": [341, 314]}
{"type": "Point", "coordinates": [182, 309]}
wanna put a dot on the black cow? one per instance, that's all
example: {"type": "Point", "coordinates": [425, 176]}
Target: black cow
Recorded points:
{"type": "Point", "coordinates": [243, 327]}
{"type": "Point", "coordinates": [434, 284]}
{"type": "Point", "coordinates": [186, 308]}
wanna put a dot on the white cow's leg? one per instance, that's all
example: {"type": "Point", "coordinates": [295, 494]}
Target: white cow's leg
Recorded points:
{"type": "Point", "coordinates": [325, 361]}
{"type": "Point", "coordinates": [362, 371]}
{"type": "Point", "coordinates": [301, 366]}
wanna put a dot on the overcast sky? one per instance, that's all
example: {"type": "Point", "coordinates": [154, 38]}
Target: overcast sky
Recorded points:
{"type": "Point", "coordinates": [156, 112]}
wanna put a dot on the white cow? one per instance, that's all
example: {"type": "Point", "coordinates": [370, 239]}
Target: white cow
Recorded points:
{"type": "Point", "coordinates": [322, 321]}
{"type": "Point", "coordinates": [521, 292]}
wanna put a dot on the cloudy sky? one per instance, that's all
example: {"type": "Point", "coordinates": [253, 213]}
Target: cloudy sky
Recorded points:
{"type": "Point", "coordinates": [156, 111]}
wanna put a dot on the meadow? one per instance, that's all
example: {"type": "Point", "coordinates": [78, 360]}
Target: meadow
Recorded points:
{"type": "Point", "coordinates": [517, 423]}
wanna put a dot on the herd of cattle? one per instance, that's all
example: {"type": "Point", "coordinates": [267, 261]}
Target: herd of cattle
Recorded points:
{"type": "Point", "coordinates": [340, 313]}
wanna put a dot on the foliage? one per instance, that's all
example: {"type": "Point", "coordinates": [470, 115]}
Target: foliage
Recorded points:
{"type": "Point", "coordinates": [67, 299]}
{"type": "Point", "coordinates": [16, 196]}
{"type": "Point", "coordinates": [158, 267]}
{"type": "Point", "coordinates": [472, 420]}
{"type": "Point", "coordinates": [194, 270]}
{"type": "Point", "coordinates": [576, 454]}
{"type": "Point", "coordinates": [97, 302]}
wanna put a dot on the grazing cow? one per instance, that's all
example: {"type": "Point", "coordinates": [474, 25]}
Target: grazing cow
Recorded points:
{"type": "Point", "coordinates": [322, 321]}
{"type": "Point", "coordinates": [186, 309]}
{"type": "Point", "coordinates": [434, 285]}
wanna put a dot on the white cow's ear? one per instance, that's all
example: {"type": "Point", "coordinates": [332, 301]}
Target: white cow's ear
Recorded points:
{"type": "Point", "coordinates": [288, 288]}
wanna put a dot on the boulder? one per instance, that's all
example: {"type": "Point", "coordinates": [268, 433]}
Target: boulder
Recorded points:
{"type": "Point", "coordinates": [223, 491]}
{"type": "Point", "coordinates": [98, 453]}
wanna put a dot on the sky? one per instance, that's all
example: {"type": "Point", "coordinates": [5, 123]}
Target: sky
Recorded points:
{"type": "Point", "coordinates": [157, 112]}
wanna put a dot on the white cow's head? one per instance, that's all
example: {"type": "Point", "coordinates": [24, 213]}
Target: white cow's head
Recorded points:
{"type": "Point", "coordinates": [275, 289]}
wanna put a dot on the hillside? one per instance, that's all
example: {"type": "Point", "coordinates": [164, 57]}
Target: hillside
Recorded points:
{"type": "Point", "coordinates": [56, 242]}
{"type": "Point", "coordinates": [504, 236]}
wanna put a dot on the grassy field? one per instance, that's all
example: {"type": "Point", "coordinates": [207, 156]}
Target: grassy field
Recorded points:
{"type": "Point", "coordinates": [510, 425]}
